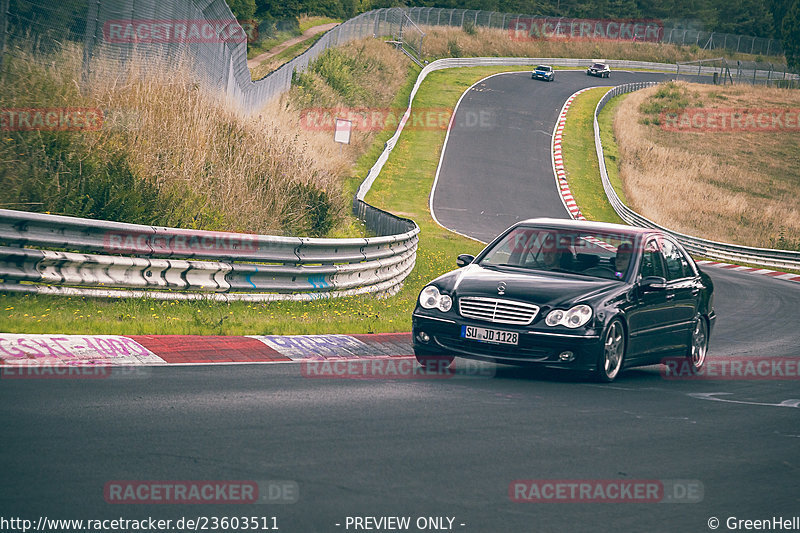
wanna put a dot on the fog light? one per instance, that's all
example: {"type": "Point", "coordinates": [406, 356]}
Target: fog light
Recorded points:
{"type": "Point", "coordinates": [423, 337]}
{"type": "Point", "coordinates": [566, 356]}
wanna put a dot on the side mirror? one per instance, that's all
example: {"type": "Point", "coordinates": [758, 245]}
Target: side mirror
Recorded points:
{"type": "Point", "coordinates": [464, 260]}
{"type": "Point", "coordinates": [653, 283]}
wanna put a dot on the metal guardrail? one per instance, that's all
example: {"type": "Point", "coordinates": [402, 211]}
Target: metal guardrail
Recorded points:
{"type": "Point", "coordinates": [716, 250]}
{"type": "Point", "coordinates": [170, 263]}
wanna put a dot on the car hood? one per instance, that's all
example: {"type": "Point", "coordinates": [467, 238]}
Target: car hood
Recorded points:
{"type": "Point", "coordinates": [549, 289]}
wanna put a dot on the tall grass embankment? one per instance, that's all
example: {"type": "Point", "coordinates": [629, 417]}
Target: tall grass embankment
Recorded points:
{"type": "Point", "coordinates": [169, 153]}
{"type": "Point", "coordinates": [739, 186]}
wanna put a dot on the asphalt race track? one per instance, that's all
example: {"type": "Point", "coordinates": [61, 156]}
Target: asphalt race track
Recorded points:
{"type": "Point", "coordinates": [437, 447]}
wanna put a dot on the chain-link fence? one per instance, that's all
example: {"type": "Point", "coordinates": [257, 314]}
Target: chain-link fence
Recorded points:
{"type": "Point", "coordinates": [166, 33]}
{"type": "Point", "coordinates": [723, 71]}
{"type": "Point", "coordinates": [205, 34]}
{"type": "Point", "coordinates": [431, 16]}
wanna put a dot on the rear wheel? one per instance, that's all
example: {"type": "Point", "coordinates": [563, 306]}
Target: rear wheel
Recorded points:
{"type": "Point", "coordinates": [698, 347]}
{"type": "Point", "coordinates": [609, 362]}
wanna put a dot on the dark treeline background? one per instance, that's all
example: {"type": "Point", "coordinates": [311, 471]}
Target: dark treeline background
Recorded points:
{"type": "Point", "coordinates": [778, 19]}
{"type": "Point", "coordinates": [761, 18]}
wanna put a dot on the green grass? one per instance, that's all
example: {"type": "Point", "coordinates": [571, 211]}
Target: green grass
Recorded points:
{"type": "Point", "coordinates": [403, 187]}
{"type": "Point", "coordinates": [274, 62]}
{"type": "Point", "coordinates": [309, 22]}
{"type": "Point", "coordinates": [264, 45]}
{"type": "Point", "coordinates": [580, 159]}
{"type": "Point", "coordinates": [610, 149]}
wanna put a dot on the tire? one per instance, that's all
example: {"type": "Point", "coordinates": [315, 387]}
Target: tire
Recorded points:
{"type": "Point", "coordinates": [610, 359]}
{"type": "Point", "coordinates": [434, 362]}
{"type": "Point", "coordinates": [698, 344]}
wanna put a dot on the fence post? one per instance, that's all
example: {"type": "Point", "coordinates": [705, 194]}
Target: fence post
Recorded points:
{"type": "Point", "coordinates": [4, 7]}
{"type": "Point", "coordinates": [89, 37]}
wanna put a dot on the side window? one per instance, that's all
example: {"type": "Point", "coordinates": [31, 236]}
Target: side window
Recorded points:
{"type": "Point", "coordinates": [676, 262]}
{"type": "Point", "coordinates": [651, 261]}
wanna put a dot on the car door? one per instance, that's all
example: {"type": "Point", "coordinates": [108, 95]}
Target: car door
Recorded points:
{"type": "Point", "coordinates": [649, 318]}
{"type": "Point", "coordinates": [683, 287]}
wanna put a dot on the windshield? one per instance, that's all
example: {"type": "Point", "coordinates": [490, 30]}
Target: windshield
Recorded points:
{"type": "Point", "coordinates": [598, 66]}
{"type": "Point", "coordinates": [542, 67]}
{"type": "Point", "coordinates": [585, 253]}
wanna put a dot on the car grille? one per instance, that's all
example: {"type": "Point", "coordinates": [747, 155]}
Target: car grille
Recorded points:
{"type": "Point", "coordinates": [498, 311]}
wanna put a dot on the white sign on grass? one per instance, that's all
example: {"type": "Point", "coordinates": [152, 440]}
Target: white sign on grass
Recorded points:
{"type": "Point", "coordinates": [342, 133]}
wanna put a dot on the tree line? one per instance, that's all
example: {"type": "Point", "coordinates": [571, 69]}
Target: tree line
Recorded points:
{"type": "Point", "coordinates": [776, 19]}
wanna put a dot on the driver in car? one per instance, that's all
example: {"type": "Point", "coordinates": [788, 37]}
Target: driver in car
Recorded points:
{"type": "Point", "coordinates": [623, 259]}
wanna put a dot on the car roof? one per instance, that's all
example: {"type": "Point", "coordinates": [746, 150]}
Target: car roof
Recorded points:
{"type": "Point", "coordinates": [561, 223]}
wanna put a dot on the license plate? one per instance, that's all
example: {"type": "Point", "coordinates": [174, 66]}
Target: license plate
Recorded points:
{"type": "Point", "coordinates": [494, 336]}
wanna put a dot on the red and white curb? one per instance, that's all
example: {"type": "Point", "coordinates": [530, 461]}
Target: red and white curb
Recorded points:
{"type": "Point", "coordinates": [44, 350]}
{"type": "Point", "coordinates": [788, 276]}
{"type": "Point", "coordinates": [558, 161]}
{"type": "Point", "coordinates": [574, 211]}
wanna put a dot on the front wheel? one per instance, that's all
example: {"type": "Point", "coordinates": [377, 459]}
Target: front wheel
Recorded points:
{"type": "Point", "coordinates": [609, 362]}
{"type": "Point", "coordinates": [435, 362]}
{"type": "Point", "coordinates": [698, 348]}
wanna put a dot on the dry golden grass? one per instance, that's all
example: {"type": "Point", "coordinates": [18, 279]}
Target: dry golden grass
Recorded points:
{"type": "Point", "coordinates": [739, 187]}
{"type": "Point", "coordinates": [454, 42]}
{"type": "Point", "coordinates": [263, 173]}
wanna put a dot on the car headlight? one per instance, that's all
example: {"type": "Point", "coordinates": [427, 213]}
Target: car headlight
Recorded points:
{"type": "Point", "coordinates": [573, 318]}
{"type": "Point", "coordinates": [430, 297]}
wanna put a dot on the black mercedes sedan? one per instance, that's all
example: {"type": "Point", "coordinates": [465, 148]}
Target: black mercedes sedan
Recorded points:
{"type": "Point", "coordinates": [589, 297]}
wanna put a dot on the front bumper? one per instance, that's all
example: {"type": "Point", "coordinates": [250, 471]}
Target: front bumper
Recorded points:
{"type": "Point", "coordinates": [546, 77]}
{"type": "Point", "coordinates": [541, 348]}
